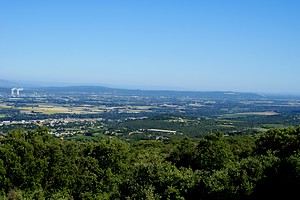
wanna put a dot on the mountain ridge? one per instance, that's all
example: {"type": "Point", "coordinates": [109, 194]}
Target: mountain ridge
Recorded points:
{"type": "Point", "coordinates": [6, 85]}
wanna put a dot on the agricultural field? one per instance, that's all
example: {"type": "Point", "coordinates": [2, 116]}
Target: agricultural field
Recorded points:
{"type": "Point", "coordinates": [243, 114]}
{"type": "Point", "coordinates": [56, 109]}
{"type": "Point", "coordinates": [267, 113]}
{"type": "Point", "coordinates": [129, 115]}
{"type": "Point", "coordinates": [5, 106]}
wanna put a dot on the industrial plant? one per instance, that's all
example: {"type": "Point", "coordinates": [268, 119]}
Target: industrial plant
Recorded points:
{"type": "Point", "coordinates": [15, 92]}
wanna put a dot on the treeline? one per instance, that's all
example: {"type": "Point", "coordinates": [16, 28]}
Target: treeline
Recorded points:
{"type": "Point", "coordinates": [35, 165]}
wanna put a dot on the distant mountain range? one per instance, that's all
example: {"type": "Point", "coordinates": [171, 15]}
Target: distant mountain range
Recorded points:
{"type": "Point", "coordinates": [7, 85]}
{"type": "Point", "coordinates": [45, 88]}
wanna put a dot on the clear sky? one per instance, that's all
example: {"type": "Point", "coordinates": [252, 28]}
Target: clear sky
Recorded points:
{"type": "Point", "coordinates": [236, 45]}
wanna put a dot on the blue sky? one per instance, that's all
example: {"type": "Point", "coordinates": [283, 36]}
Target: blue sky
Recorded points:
{"type": "Point", "coordinates": [236, 45]}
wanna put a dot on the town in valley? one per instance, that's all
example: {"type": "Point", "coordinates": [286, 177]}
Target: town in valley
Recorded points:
{"type": "Point", "coordinates": [93, 112]}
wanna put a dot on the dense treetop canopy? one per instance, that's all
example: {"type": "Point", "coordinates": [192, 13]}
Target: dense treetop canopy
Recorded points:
{"type": "Point", "coordinates": [35, 165]}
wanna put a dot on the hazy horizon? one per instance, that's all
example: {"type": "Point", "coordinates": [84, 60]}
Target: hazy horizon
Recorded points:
{"type": "Point", "coordinates": [30, 85]}
{"type": "Point", "coordinates": [242, 46]}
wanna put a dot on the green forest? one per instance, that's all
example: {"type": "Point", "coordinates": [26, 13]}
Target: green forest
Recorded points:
{"type": "Point", "coordinates": [35, 165]}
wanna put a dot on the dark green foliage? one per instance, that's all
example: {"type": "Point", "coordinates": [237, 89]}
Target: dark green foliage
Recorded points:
{"type": "Point", "coordinates": [184, 154]}
{"type": "Point", "coordinates": [34, 165]}
{"type": "Point", "coordinates": [35, 161]}
{"type": "Point", "coordinates": [210, 153]}
{"type": "Point", "coordinates": [284, 142]}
